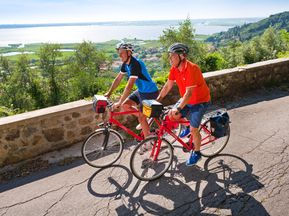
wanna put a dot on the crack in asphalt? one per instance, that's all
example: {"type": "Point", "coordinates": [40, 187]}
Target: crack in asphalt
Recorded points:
{"type": "Point", "coordinates": [54, 204]}
{"type": "Point", "coordinates": [42, 195]}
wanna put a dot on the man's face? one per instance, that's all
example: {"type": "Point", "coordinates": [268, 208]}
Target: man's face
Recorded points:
{"type": "Point", "coordinates": [123, 54]}
{"type": "Point", "coordinates": [174, 59]}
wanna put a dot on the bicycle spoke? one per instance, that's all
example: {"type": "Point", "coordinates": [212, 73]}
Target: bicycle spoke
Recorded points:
{"type": "Point", "coordinates": [102, 148]}
{"type": "Point", "coordinates": [144, 167]}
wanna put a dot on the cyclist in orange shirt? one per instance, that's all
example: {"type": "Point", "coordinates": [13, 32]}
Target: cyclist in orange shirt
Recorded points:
{"type": "Point", "coordinates": [195, 95]}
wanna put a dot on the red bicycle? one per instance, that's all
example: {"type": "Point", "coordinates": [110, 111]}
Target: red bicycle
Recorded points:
{"type": "Point", "coordinates": [155, 162]}
{"type": "Point", "coordinates": [104, 146]}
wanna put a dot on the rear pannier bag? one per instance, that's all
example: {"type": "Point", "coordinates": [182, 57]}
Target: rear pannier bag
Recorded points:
{"type": "Point", "coordinates": [220, 124]}
{"type": "Point", "coordinates": [99, 103]}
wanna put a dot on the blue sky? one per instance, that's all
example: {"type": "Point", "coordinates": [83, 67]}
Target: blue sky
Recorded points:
{"type": "Point", "coordinates": [60, 11]}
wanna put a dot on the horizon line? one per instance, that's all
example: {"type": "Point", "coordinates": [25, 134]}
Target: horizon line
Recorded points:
{"type": "Point", "coordinates": [122, 21]}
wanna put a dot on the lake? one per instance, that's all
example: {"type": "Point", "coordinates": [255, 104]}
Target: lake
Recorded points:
{"type": "Point", "coordinates": [101, 32]}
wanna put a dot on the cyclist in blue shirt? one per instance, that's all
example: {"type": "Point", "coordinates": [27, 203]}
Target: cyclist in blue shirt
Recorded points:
{"type": "Point", "coordinates": [137, 74]}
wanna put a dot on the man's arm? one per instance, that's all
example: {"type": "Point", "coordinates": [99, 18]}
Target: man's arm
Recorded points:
{"type": "Point", "coordinates": [114, 84]}
{"type": "Point", "coordinates": [127, 89]}
{"type": "Point", "coordinates": [165, 90]}
{"type": "Point", "coordinates": [187, 96]}
{"type": "Point", "coordinates": [175, 112]}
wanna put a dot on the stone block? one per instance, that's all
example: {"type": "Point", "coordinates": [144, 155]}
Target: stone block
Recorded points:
{"type": "Point", "coordinates": [86, 130]}
{"type": "Point", "coordinates": [86, 120]}
{"type": "Point", "coordinates": [71, 125]}
{"type": "Point", "coordinates": [75, 115]}
{"type": "Point", "coordinates": [67, 118]}
{"type": "Point", "coordinates": [12, 134]}
{"type": "Point", "coordinates": [37, 140]}
{"type": "Point", "coordinates": [54, 134]}
{"type": "Point", "coordinates": [70, 135]}
{"type": "Point", "coordinates": [28, 131]}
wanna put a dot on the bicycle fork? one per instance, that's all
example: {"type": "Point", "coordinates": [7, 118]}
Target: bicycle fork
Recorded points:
{"type": "Point", "coordinates": [157, 145]}
{"type": "Point", "coordinates": [106, 133]}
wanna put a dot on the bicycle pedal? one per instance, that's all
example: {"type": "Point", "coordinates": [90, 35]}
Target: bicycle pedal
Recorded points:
{"type": "Point", "coordinates": [185, 149]}
{"type": "Point", "coordinates": [152, 130]}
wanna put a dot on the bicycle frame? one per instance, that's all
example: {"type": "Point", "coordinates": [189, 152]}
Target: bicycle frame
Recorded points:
{"type": "Point", "coordinates": [165, 126]}
{"type": "Point", "coordinates": [112, 120]}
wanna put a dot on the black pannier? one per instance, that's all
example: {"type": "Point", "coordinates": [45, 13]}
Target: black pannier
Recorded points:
{"type": "Point", "coordinates": [220, 124]}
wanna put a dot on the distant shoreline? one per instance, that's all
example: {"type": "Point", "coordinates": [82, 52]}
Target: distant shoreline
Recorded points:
{"type": "Point", "coordinates": [219, 21]}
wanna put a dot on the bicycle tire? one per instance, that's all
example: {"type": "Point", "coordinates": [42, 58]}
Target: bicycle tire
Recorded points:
{"type": "Point", "coordinates": [143, 167]}
{"type": "Point", "coordinates": [93, 152]}
{"type": "Point", "coordinates": [215, 147]}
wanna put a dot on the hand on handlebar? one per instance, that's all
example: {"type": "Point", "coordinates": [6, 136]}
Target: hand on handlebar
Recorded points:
{"type": "Point", "coordinates": [116, 105]}
{"type": "Point", "coordinates": [174, 114]}
{"type": "Point", "coordinates": [107, 94]}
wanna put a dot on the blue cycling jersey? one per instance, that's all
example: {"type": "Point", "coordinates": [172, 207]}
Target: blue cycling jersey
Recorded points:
{"type": "Point", "coordinates": [137, 68]}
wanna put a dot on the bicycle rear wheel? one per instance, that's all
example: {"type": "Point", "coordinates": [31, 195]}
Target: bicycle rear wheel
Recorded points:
{"type": "Point", "coordinates": [209, 145]}
{"type": "Point", "coordinates": [102, 148]}
{"type": "Point", "coordinates": [143, 166]}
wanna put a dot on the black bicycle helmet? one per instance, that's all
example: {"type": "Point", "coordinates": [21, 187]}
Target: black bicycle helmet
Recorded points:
{"type": "Point", "coordinates": [179, 48]}
{"type": "Point", "coordinates": [125, 46]}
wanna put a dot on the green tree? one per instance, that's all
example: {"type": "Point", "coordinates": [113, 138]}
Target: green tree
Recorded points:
{"type": "Point", "coordinates": [48, 55]}
{"type": "Point", "coordinates": [18, 87]}
{"type": "Point", "coordinates": [88, 67]}
{"type": "Point", "coordinates": [233, 54]}
{"type": "Point", "coordinates": [284, 37]}
{"type": "Point", "coordinates": [185, 33]}
{"type": "Point", "coordinates": [214, 61]}
{"type": "Point", "coordinates": [5, 69]}
{"type": "Point", "coordinates": [271, 42]}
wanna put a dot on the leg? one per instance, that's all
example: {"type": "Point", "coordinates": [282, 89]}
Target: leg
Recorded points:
{"type": "Point", "coordinates": [196, 137]}
{"type": "Point", "coordinates": [130, 105]}
{"type": "Point", "coordinates": [141, 117]}
{"type": "Point", "coordinates": [144, 124]}
{"type": "Point", "coordinates": [196, 114]}
{"type": "Point", "coordinates": [196, 155]}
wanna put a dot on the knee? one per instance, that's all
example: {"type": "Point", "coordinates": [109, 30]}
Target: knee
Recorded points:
{"type": "Point", "coordinates": [125, 106]}
{"type": "Point", "coordinates": [141, 117]}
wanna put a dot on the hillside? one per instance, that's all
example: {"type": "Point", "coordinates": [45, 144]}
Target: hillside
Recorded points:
{"type": "Point", "coordinates": [250, 30]}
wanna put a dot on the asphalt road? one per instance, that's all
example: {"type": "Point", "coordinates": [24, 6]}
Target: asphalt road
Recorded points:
{"type": "Point", "coordinates": [250, 176]}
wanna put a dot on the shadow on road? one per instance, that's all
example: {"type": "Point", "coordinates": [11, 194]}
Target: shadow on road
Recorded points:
{"type": "Point", "coordinates": [223, 186]}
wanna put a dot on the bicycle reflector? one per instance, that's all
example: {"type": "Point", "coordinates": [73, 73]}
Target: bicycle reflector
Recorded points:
{"type": "Point", "coordinates": [152, 108]}
{"type": "Point", "coordinates": [99, 103]}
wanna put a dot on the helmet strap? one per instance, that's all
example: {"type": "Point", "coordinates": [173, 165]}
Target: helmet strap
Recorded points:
{"type": "Point", "coordinates": [128, 56]}
{"type": "Point", "coordinates": [180, 61]}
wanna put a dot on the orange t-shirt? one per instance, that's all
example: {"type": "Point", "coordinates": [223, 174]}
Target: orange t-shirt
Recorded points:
{"type": "Point", "coordinates": [191, 75]}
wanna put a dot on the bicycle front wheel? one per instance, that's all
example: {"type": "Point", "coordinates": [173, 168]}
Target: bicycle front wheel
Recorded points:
{"type": "Point", "coordinates": [142, 163]}
{"type": "Point", "coordinates": [102, 148]}
{"type": "Point", "coordinates": [209, 145]}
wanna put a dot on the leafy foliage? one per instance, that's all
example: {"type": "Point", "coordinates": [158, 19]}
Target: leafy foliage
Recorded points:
{"type": "Point", "coordinates": [251, 30]}
{"type": "Point", "coordinates": [185, 33]}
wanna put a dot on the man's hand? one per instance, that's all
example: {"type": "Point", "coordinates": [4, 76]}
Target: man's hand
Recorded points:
{"type": "Point", "coordinates": [174, 114]}
{"type": "Point", "coordinates": [116, 105]}
{"type": "Point", "coordinates": [107, 94]}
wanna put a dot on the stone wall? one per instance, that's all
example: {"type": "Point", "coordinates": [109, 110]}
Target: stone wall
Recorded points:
{"type": "Point", "coordinates": [226, 84]}
{"type": "Point", "coordinates": [30, 134]}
